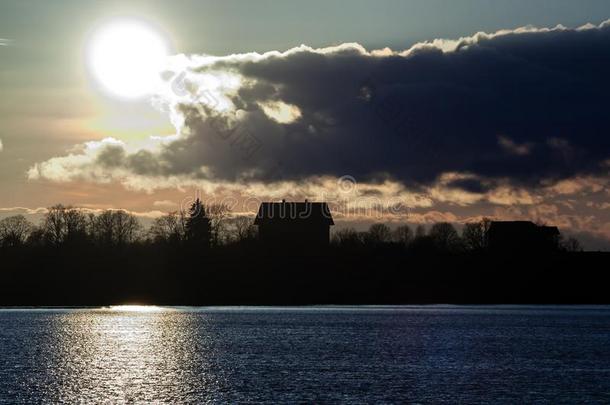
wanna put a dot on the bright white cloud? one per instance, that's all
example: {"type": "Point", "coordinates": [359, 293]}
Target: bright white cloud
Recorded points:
{"type": "Point", "coordinates": [281, 112]}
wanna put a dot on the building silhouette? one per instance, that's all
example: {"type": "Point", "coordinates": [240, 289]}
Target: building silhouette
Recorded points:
{"type": "Point", "coordinates": [516, 236]}
{"type": "Point", "coordinates": [294, 224]}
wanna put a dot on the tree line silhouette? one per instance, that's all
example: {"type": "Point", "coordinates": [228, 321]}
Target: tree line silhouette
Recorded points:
{"type": "Point", "coordinates": [206, 227]}
{"type": "Point", "coordinates": [205, 255]}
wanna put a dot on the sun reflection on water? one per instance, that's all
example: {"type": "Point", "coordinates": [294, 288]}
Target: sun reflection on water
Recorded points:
{"type": "Point", "coordinates": [126, 354]}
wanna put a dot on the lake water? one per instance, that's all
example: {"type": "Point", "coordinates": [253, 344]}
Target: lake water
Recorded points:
{"type": "Point", "coordinates": [278, 355]}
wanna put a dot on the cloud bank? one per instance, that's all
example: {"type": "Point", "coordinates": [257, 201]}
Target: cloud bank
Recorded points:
{"type": "Point", "coordinates": [520, 107]}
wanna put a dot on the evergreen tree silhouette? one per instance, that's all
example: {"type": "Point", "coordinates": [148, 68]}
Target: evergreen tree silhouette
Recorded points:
{"type": "Point", "coordinates": [198, 227]}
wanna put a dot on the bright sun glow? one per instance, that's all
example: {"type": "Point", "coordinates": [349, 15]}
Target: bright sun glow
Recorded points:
{"type": "Point", "coordinates": [127, 57]}
{"type": "Point", "coordinates": [135, 308]}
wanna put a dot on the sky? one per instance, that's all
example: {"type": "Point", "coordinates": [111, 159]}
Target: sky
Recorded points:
{"type": "Point", "coordinates": [353, 102]}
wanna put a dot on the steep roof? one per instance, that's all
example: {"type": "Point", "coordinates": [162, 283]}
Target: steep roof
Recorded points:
{"type": "Point", "coordinates": [313, 212]}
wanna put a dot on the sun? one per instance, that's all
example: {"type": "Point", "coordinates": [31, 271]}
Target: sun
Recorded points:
{"type": "Point", "coordinates": [126, 57]}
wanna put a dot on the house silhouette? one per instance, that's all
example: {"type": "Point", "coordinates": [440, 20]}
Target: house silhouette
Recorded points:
{"type": "Point", "coordinates": [516, 236]}
{"type": "Point", "coordinates": [294, 223]}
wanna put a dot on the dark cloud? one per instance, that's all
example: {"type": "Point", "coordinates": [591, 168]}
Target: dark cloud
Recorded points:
{"type": "Point", "coordinates": [524, 106]}
{"type": "Point", "coordinates": [496, 106]}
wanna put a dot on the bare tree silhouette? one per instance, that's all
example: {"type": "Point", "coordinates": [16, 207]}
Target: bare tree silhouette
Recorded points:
{"type": "Point", "coordinates": [474, 234]}
{"type": "Point", "coordinates": [114, 228]}
{"type": "Point", "coordinates": [378, 234]}
{"type": "Point", "coordinates": [14, 231]}
{"type": "Point", "coordinates": [348, 237]}
{"type": "Point", "coordinates": [570, 244]}
{"type": "Point", "coordinates": [242, 229]}
{"type": "Point", "coordinates": [170, 228]}
{"type": "Point", "coordinates": [217, 214]}
{"type": "Point", "coordinates": [63, 224]}
{"type": "Point", "coordinates": [445, 237]}
{"type": "Point", "coordinates": [403, 235]}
